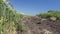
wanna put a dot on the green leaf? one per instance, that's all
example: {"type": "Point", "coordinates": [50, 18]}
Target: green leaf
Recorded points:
{"type": "Point", "coordinates": [1, 1]}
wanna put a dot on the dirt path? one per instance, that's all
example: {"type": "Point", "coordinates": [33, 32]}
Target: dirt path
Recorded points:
{"type": "Point", "coordinates": [37, 25]}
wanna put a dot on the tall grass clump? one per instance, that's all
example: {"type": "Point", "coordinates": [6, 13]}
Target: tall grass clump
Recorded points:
{"type": "Point", "coordinates": [9, 18]}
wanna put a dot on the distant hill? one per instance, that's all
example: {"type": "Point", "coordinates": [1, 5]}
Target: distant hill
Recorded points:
{"type": "Point", "coordinates": [50, 13]}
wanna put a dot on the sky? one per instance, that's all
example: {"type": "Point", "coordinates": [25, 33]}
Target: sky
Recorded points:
{"type": "Point", "coordinates": [33, 7]}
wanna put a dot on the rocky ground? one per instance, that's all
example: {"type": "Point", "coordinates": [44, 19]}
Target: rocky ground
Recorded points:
{"type": "Point", "coordinates": [37, 25]}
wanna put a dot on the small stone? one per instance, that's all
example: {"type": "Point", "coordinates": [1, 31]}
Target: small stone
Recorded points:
{"type": "Point", "coordinates": [53, 18]}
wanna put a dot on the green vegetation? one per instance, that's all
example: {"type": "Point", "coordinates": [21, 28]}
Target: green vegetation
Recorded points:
{"type": "Point", "coordinates": [9, 18]}
{"type": "Point", "coordinates": [49, 14]}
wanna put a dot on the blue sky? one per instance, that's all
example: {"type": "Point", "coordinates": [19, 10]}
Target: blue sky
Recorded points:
{"type": "Point", "coordinates": [33, 7]}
